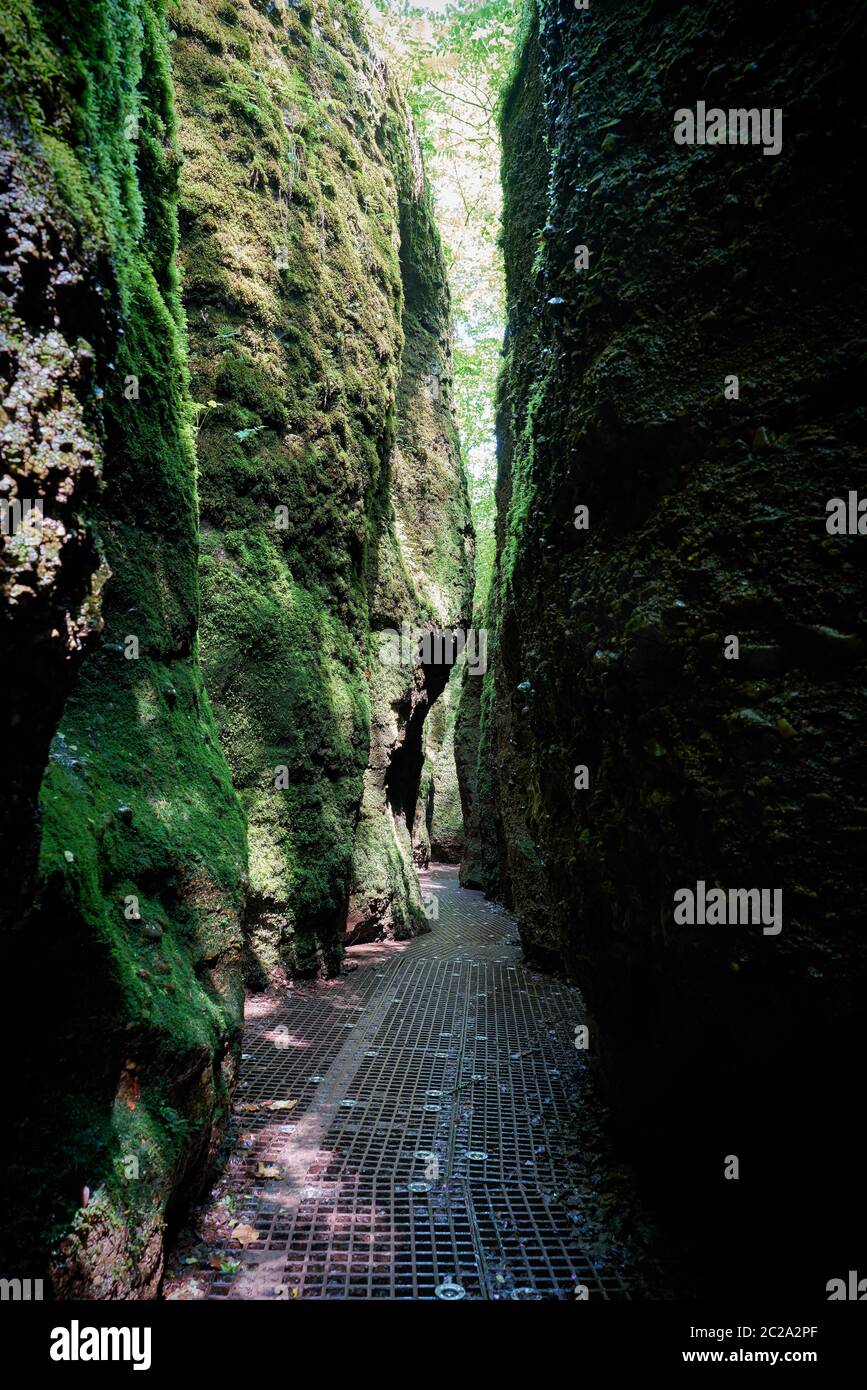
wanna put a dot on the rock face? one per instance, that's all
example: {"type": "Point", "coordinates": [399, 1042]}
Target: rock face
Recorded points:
{"type": "Point", "coordinates": [308, 360]}
{"type": "Point", "coordinates": [333, 501]}
{"type": "Point", "coordinates": [438, 828]}
{"type": "Point", "coordinates": [707, 520]}
{"type": "Point", "coordinates": [51, 457]}
{"type": "Point", "coordinates": [443, 811]}
{"type": "Point", "coordinates": [128, 946]}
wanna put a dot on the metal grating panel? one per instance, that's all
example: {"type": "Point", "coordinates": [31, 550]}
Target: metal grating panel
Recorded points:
{"type": "Point", "coordinates": [420, 1159]}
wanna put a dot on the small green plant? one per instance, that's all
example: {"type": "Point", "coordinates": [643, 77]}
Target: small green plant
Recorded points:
{"type": "Point", "coordinates": [200, 410]}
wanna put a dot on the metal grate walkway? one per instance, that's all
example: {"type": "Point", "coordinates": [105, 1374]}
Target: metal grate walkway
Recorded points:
{"type": "Point", "coordinates": [421, 1158]}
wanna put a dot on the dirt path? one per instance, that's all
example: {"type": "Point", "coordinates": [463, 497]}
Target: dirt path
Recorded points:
{"type": "Point", "coordinates": [425, 1155]}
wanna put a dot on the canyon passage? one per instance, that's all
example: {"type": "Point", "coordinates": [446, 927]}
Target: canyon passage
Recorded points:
{"type": "Point", "coordinates": [425, 571]}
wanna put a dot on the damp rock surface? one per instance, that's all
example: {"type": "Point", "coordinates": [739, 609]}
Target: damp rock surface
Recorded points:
{"type": "Point", "coordinates": [707, 520]}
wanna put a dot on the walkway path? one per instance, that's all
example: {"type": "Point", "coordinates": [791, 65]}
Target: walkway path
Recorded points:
{"type": "Point", "coordinates": [424, 1155]}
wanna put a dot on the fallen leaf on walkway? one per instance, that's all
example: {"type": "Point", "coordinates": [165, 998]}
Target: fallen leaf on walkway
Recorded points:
{"type": "Point", "coordinates": [245, 1235]}
{"type": "Point", "coordinates": [246, 1109]}
{"type": "Point", "coordinates": [265, 1170]}
{"type": "Point", "coordinates": [186, 1290]}
{"type": "Point", "coordinates": [279, 1104]}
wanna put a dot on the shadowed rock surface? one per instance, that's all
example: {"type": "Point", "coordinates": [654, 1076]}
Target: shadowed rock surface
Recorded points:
{"type": "Point", "coordinates": [706, 519]}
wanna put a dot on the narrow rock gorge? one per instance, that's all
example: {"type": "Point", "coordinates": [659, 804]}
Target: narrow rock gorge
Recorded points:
{"type": "Point", "coordinates": [265, 472]}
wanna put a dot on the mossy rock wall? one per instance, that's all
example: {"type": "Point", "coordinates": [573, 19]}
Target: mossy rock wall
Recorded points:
{"type": "Point", "coordinates": [126, 943]}
{"type": "Point", "coordinates": [444, 814]}
{"type": "Point", "coordinates": [707, 518]}
{"type": "Point", "coordinates": [333, 501]}
{"type": "Point", "coordinates": [333, 510]}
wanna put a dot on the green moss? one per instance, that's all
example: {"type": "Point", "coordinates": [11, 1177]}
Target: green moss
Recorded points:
{"type": "Point", "coordinates": [290, 694]}
{"type": "Point", "coordinates": [137, 800]}
{"type": "Point", "coordinates": [302, 332]}
{"type": "Point", "coordinates": [440, 793]}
